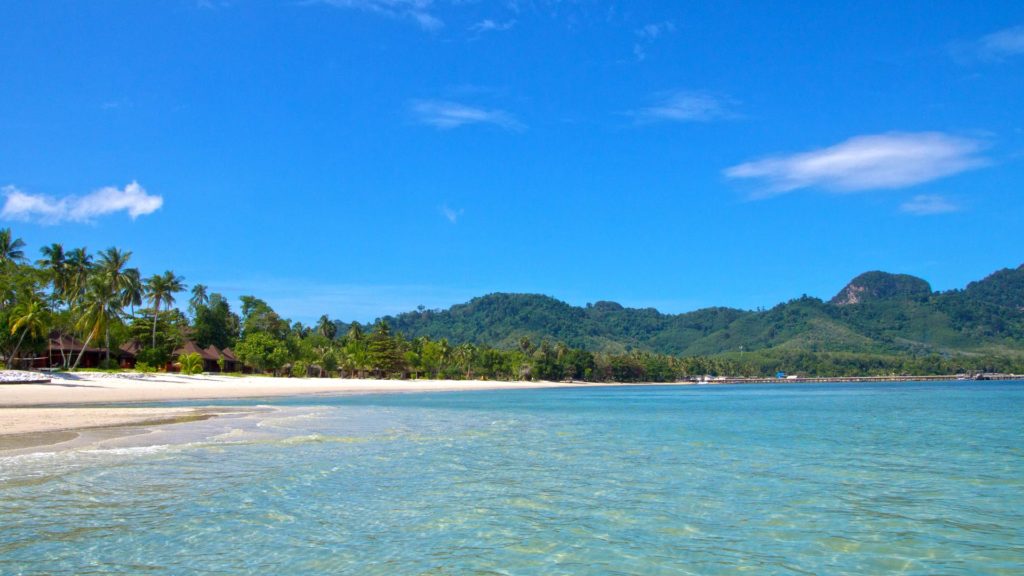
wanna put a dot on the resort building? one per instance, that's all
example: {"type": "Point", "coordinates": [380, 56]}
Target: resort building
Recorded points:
{"type": "Point", "coordinates": [211, 356]}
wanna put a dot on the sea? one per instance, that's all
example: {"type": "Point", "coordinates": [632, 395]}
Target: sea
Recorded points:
{"type": "Point", "coordinates": [902, 478]}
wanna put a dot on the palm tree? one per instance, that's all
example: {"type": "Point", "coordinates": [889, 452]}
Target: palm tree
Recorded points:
{"type": "Point", "coordinates": [326, 328]}
{"type": "Point", "coordinates": [117, 280]}
{"type": "Point", "coordinates": [200, 297]}
{"type": "Point", "coordinates": [131, 292]}
{"type": "Point", "coordinates": [355, 333]}
{"type": "Point", "coordinates": [79, 264]}
{"type": "Point", "coordinates": [30, 319]}
{"type": "Point", "coordinates": [99, 307]}
{"type": "Point", "coordinates": [54, 263]}
{"type": "Point", "coordinates": [160, 289]}
{"type": "Point", "coordinates": [10, 247]}
{"type": "Point", "coordinates": [464, 355]}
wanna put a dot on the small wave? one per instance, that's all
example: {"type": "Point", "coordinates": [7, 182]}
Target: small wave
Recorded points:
{"type": "Point", "coordinates": [320, 439]}
{"type": "Point", "coordinates": [136, 449]}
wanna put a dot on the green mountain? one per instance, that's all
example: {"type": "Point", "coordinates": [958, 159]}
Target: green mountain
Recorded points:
{"type": "Point", "coordinates": [876, 312]}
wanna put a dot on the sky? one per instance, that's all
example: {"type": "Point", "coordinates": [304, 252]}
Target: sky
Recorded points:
{"type": "Point", "coordinates": [358, 158]}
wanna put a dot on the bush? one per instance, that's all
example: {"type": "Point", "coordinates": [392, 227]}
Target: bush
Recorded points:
{"type": "Point", "coordinates": [152, 356]}
{"type": "Point", "coordinates": [190, 363]}
{"type": "Point", "coordinates": [300, 369]}
{"type": "Point", "coordinates": [109, 364]}
{"type": "Point", "coordinates": [144, 368]}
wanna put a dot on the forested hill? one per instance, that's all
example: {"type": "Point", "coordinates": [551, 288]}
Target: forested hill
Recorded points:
{"type": "Point", "coordinates": [876, 312]}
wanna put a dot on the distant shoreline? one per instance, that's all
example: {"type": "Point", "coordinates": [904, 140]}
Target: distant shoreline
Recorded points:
{"type": "Point", "coordinates": [855, 379]}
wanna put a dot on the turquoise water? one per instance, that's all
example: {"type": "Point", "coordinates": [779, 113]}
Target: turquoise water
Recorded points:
{"type": "Point", "coordinates": [788, 479]}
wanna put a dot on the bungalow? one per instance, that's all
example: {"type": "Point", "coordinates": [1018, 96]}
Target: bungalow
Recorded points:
{"type": "Point", "coordinates": [231, 361]}
{"type": "Point", "coordinates": [211, 357]}
{"type": "Point", "coordinates": [128, 351]}
{"type": "Point", "coordinates": [63, 350]}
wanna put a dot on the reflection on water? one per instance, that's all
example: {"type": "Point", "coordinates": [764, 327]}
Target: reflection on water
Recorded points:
{"type": "Point", "coordinates": [811, 479]}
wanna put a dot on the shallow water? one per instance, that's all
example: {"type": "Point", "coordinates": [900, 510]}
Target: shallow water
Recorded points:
{"type": "Point", "coordinates": [832, 479]}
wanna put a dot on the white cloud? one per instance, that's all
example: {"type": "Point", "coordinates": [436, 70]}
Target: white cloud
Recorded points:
{"type": "Point", "coordinates": [418, 11]}
{"type": "Point", "coordinates": [656, 30]}
{"type": "Point", "coordinates": [893, 160]}
{"type": "Point", "coordinates": [648, 34]}
{"type": "Point", "coordinates": [688, 106]}
{"type": "Point", "coordinates": [927, 205]}
{"type": "Point", "coordinates": [998, 45]}
{"type": "Point", "coordinates": [451, 214]}
{"type": "Point", "coordinates": [445, 115]}
{"type": "Point", "coordinates": [994, 47]}
{"type": "Point", "coordinates": [132, 199]}
{"type": "Point", "coordinates": [489, 25]}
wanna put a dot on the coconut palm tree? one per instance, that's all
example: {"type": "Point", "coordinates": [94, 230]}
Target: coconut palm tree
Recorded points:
{"type": "Point", "coordinates": [117, 279]}
{"type": "Point", "coordinates": [200, 297]}
{"type": "Point", "coordinates": [79, 267]}
{"type": "Point", "coordinates": [10, 247]}
{"type": "Point", "coordinates": [132, 290]}
{"type": "Point", "coordinates": [444, 354]}
{"type": "Point", "coordinates": [326, 328]}
{"type": "Point", "coordinates": [99, 307]}
{"type": "Point", "coordinates": [160, 289]}
{"type": "Point", "coordinates": [464, 354]}
{"type": "Point", "coordinates": [30, 318]}
{"type": "Point", "coordinates": [55, 264]}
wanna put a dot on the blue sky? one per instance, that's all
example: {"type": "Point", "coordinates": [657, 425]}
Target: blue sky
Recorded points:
{"type": "Point", "coordinates": [361, 157]}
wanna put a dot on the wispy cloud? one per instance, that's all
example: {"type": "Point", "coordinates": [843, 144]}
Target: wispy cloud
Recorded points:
{"type": "Point", "coordinates": [451, 214]}
{"type": "Point", "coordinates": [687, 106]}
{"type": "Point", "coordinates": [418, 11]}
{"type": "Point", "coordinates": [656, 30]}
{"type": "Point", "coordinates": [648, 34]}
{"type": "Point", "coordinates": [892, 160]}
{"type": "Point", "coordinates": [928, 205]}
{"type": "Point", "coordinates": [1002, 44]}
{"type": "Point", "coordinates": [489, 25]}
{"type": "Point", "coordinates": [131, 199]}
{"type": "Point", "coordinates": [994, 47]}
{"type": "Point", "coordinates": [446, 115]}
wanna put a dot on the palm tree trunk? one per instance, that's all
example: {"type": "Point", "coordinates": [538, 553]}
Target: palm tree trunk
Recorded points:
{"type": "Point", "coordinates": [10, 360]}
{"type": "Point", "coordinates": [156, 313]}
{"type": "Point", "coordinates": [82, 353]}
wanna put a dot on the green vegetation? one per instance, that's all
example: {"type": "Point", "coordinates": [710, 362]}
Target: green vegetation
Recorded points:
{"type": "Point", "coordinates": [190, 363]}
{"type": "Point", "coordinates": [879, 324]}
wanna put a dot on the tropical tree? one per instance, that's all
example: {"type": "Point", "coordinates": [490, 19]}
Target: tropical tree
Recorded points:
{"type": "Point", "coordinates": [190, 363]}
{"type": "Point", "coordinates": [119, 281]}
{"type": "Point", "coordinates": [199, 299]}
{"type": "Point", "coordinates": [326, 328]}
{"type": "Point", "coordinates": [463, 355]}
{"type": "Point", "coordinates": [31, 319]}
{"type": "Point", "coordinates": [99, 308]}
{"type": "Point", "coordinates": [132, 289]}
{"type": "Point", "coordinates": [215, 323]}
{"type": "Point", "coordinates": [385, 355]}
{"type": "Point", "coordinates": [10, 247]}
{"type": "Point", "coordinates": [262, 351]}
{"type": "Point", "coordinates": [160, 289]}
{"type": "Point", "coordinates": [54, 264]}
{"type": "Point", "coordinates": [80, 265]}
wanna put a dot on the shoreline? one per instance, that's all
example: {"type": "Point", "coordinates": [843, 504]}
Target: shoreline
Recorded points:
{"type": "Point", "coordinates": [32, 413]}
{"type": "Point", "coordinates": [79, 401]}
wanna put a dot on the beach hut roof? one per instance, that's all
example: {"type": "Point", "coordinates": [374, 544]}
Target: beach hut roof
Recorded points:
{"type": "Point", "coordinates": [190, 347]}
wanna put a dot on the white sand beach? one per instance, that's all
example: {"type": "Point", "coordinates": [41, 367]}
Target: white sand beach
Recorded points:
{"type": "Point", "coordinates": [66, 396]}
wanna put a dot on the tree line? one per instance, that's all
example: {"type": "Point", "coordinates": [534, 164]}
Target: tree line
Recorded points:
{"type": "Point", "coordinates": [99, 300]}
